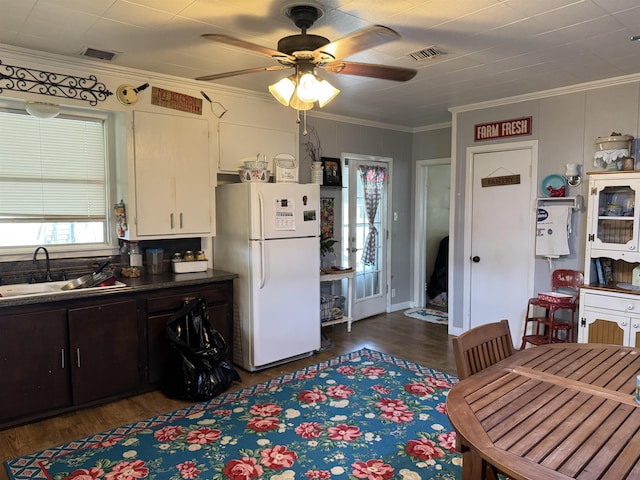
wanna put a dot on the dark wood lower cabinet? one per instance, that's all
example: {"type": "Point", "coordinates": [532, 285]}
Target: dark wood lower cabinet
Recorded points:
{"type": "Point", "coordinates": [103, 342]}
{"type": "Point", "coordinates": [58, 356]}
{"type": "Point", "coordinates": [160, 308]}
{"type": "Point", "coordinates": [33, 363]}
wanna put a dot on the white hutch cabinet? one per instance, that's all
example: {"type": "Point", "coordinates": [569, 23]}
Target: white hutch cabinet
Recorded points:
{"type": "Point", "coordinates": [609, 303]}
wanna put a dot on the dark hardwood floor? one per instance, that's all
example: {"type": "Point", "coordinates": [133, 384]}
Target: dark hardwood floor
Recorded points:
{"type": "Point", "coordinates": [421, 342]}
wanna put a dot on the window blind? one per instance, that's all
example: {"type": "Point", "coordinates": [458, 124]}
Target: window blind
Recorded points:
{"type": "Point", "coordinates": [51, 169]}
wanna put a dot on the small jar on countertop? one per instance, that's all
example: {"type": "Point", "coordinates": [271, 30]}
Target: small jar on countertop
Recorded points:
{"type": "Point", "coordinates": [200, 255]}
{"type": "Point", "coordinates": [188, 256]}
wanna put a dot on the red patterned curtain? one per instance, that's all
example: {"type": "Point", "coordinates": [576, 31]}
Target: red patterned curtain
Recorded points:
{"type": "Point", "coordinates": [372, 182]}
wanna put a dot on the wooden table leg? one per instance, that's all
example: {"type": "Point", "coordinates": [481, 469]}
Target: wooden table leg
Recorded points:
{"type": "Point", "coordinates": [473, 466]}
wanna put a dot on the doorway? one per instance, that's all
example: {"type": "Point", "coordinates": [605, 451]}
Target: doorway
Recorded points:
{"type": "Point", "coordinates": [432, 200]}
{"type": "Point", "coordinates": [500, 233]}
{"type": "Point", "coordinates": [365, 231]}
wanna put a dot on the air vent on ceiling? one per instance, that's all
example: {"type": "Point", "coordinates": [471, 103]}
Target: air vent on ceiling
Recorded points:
{"type": "Point", "coordinates": [100, 54]}
{"type": "Point", "coordinates": [426, 54]}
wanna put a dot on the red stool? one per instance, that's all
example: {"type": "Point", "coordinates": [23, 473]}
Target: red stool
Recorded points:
{"type": "Point", "coordinates": [544, 329]}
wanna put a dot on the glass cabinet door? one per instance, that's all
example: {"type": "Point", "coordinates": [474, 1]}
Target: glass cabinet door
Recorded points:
{"type": "Point", "coordinates": [616, 225]}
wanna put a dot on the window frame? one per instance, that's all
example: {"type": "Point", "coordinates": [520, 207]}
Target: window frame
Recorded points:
{"type": "Point", "coordinates": [111, 141]}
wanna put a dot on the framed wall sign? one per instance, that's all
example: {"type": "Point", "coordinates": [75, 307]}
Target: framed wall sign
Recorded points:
{"type": "Point", "coordinates": [331, 173]}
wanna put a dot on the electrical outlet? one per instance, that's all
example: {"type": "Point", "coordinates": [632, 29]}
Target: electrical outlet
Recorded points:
{"type": "Point", "coordinates": [393, 293]}
{"type": "Point", "coordinates": [395, 216]}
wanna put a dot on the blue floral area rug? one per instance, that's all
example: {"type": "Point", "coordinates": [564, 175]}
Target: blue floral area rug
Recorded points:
{"type": "Point", "coordinates": [363, 415]}
{"type": "Point", "coordinates": [428, 315]}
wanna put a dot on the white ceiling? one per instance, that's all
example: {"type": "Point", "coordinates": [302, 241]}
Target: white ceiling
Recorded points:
{"type": "Point", "coordinates": [494, 48]}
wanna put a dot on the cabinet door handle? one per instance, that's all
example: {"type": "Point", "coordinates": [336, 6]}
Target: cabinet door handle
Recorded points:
{"type": "Point", "coordinates": [629, 307]}
{"type": "Point", "coordinates": [635, 325]}
{"type": "Point", "coordinates": [623, 323]}
{"type": "Point", "coordinates": [62, 358]}
{"type": "Point", "coordinates": [78, 357]}
{"type": "Point", "coordinates": [180, 220]}
{"type": "Point", "coordinates": [632, 247]}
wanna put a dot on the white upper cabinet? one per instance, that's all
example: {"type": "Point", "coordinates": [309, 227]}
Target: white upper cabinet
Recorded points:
{"type": "Point", "coordinates": [173, 187]}
{"type": "Point", "coordinates": [239, 143]}
{"type": "Point", "coordinates": [613, 219]}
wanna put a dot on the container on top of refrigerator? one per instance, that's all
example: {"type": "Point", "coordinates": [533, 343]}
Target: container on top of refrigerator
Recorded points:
{"type": "Point", "coordinates": [286, 168]}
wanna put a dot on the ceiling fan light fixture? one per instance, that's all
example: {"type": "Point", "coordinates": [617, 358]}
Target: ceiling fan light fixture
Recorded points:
{"type": "Point", "coordinates": [298, 104]}
{"type": "Point", "coordinates": [283, 90]}
{"type": "Point", "coordinates": [308, 86]}
{"type": "Point", "coordinates": [326, 93]}
{"type": "Point", "coordinates": [42, 110]}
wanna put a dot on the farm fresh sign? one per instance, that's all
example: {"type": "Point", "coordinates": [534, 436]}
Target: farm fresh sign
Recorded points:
{"type": "Point", "coordinates": [506, 128]}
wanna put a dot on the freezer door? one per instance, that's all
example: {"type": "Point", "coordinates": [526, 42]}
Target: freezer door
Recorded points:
{"type": "Point", "coordinates": [286, 299]}
{"type": "Point", "coordinates": [280, 210]}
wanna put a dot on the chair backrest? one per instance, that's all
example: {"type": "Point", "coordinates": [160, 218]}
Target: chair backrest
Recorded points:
{"type": "Point", "coordinates": [481, 347]}
{"type": "Point", "coordinates": [566, 279]}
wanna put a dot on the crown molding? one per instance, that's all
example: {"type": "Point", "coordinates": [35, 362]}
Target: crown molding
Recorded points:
{"type": "Point", "coordinates": [357, 121]}
{"type": "Point", "coordinates": [435, 126]}
{"type": "Point", "coordinates": [95, 67]}
{"type": "Point", "coordinates": [577, 88]}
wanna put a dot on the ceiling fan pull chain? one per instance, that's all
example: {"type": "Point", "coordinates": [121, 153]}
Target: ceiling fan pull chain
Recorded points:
{"type": "Point", "coordinates": [304, 124]}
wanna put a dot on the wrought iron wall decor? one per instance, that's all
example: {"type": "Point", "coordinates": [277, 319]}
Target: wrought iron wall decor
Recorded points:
{"type": "Point", "coordinates": [52, 84]}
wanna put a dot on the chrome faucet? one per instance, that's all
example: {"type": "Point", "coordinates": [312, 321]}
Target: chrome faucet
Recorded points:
{"type": "Point", "coordinates": [46, 253]}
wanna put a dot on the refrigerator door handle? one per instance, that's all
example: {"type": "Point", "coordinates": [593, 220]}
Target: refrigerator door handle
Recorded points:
{"type": "Point", "coordinates": [261, 207]}
{"type": "Point", "coordinates": [262, 265]}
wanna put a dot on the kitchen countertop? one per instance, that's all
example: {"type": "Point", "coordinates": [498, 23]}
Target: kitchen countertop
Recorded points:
{"type": "Point", "coordinates": [140, 284]}
{"type": "Point", "coordinates": [611, 287]}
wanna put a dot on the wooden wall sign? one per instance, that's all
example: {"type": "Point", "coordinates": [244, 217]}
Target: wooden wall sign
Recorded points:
{"type": "Point", "coordinates": [500, 181]}
{"type": "Point", "coordinates": [175, 100]}
{"type": "Point", "coordinates": [505, 128]}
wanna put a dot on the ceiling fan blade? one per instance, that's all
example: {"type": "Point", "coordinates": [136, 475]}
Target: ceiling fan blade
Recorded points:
{"type": "Point", "coordinates": [254, 47]}
{"type": "Point", "coordinates": [242, 72]}
{"type": "Point", "coordinates": [384, 72]}
{"type": "Point", "coordinates": [358, 41]}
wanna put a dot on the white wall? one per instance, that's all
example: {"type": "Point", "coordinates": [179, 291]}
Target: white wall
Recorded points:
{"type": "Point", "coordinates": [338, 137]}
{"type": "Point", "coordinates": [566, 125]}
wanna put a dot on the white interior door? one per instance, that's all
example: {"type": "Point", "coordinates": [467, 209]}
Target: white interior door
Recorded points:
{"type": "Point", "coordinates": [502, 255]}
{"type": "Point", "coordinates": [371, 270]}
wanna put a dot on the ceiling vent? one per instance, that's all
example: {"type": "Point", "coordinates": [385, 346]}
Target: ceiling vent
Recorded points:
{"type": "Point", "coordinates": [100, 54]}
{"type": "Point", "coordinates": [428, 53]}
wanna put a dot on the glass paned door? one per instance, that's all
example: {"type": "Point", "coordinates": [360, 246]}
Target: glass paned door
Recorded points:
{"type": "Point", "coordinates": [616, 218]}
{"type": "Point", "coordinates": [366, 233]}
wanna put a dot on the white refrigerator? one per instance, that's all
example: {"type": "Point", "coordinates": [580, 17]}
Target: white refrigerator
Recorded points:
{"type": "Point", "coordinates": [269, 235]}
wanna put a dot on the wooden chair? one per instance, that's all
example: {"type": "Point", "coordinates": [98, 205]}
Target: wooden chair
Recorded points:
{"type": "Point", "coordinates": [475, 350]}
{"type": "Point", "coordinates": [481, 347]}
{"type": "Point", "coordinates": [545, 328]}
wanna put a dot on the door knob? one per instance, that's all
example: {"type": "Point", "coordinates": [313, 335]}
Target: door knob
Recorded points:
{"type": "Point", "coordinates": [475, 259]}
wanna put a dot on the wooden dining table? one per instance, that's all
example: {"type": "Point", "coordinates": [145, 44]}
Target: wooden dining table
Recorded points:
{"type": "Point", "coordinates": [559, 411]}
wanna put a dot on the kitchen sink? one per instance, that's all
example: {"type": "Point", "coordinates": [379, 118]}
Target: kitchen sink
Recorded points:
{"type": "Point", "coordinates": [46, 288]}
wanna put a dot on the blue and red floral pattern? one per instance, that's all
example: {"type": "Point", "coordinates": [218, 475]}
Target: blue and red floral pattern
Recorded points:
{"type": "Point", "coordinates": [365, 415]}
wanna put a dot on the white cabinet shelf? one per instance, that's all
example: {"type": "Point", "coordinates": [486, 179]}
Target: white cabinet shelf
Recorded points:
{"type": "Point", "coordinates": [612, 219]}
{"type": "Point", "coordinates": [334, 277]}
{"type": "Point", "coordinates": [610, 313]}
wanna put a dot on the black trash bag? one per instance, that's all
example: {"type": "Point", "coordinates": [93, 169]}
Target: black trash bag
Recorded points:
{"type": "Point", "coordinates": [199, 368]}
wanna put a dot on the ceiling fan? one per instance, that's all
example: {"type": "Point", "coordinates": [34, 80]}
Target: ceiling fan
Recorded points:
{"type": "Point", "coordinates": [306, 53]}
